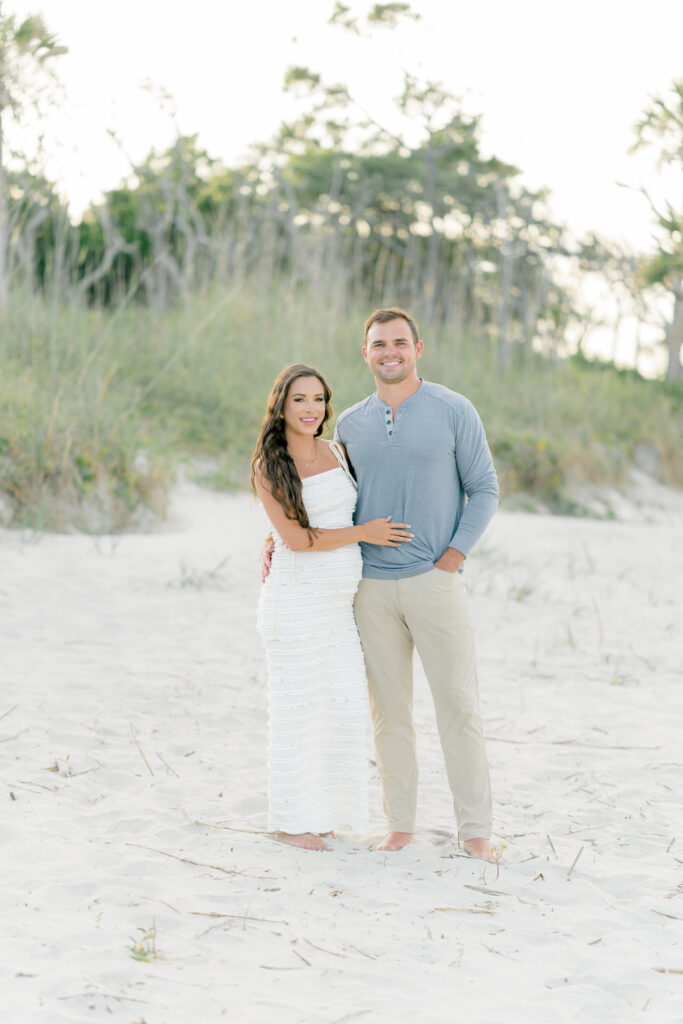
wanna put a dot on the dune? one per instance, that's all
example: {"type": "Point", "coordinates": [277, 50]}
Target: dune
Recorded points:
{"type": "Point", "coordinates": [139, 884]}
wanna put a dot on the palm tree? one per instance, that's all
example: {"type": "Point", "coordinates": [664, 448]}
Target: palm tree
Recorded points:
{"type": "Point", "coordinates": [662, 126]}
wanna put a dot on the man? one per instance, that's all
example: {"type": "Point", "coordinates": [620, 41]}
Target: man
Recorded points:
{"type": "Point", "coordinates": [419, 453]}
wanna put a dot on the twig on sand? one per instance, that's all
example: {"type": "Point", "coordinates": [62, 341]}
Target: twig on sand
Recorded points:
{"type": "Point", "coordinates": [235, 917]}
{"type": "Point", "coordinates": [323, 950]}
{"type": "Point", "coordinates": [671, 844]}
{"type": "Point", "coordinates": [601, 634]}
{"type": "Point", "coordinates": [574, 862]}
{"type": "Point", "coordinates": [572, 743]}
{"type": "Point", "coordinates": [661, 913]}
{"type": "Point", "coordinates": [551, 846]}
{"type": "Point", "coordinates": [307, 962]}
{"type": "Point", "coordinates": [167, 765]}
{"type": "Point", "coordinates": [156, 672]}
{"type": "Point", "coordinates": [504, 739]}
{"type": "Point", "coordinates": [370, 956]}
{"type": "Point", "coordinates": [668, 970]}
{"type": "Point", "coordinates": [165, 904]}
{"type": "Point", "coordinates": [499, 952]}
{"type": "Point", "coordinates": [142, 753]}
{"type": "Point", "coordinates": [105, 995]}
{"type": "Point", "coordinates": [349, 1017]}
{"type": "Point", "coordinates": [466, 910]}
{"type": "Point", "coordinates": [267, 967]}
{"type": "Point", "coordinates": [24, 783]}
{"type": "Point", "coordinates": [6, 713]}
{"type": "Point", "coordinates": [197, 863]}
{"type": "Point", "coordinates": [6, 739]}
{"type": "Point", "coordinates": [489, 892]}
{"type": "Point", "coordinates": [227, 828]}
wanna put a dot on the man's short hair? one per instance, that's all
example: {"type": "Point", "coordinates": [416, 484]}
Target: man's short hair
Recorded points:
{"type": "Point", "coordinates": [384, 316]}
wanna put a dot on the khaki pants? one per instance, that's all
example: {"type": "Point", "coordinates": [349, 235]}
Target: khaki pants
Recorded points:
{"type": "Point", "coordinates": [432, 613]}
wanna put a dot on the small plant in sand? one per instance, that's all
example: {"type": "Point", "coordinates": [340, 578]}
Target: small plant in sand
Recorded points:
{"type": "Point", "coordinates": [200, 579]}
{"type": "Point", "coordinates": [520, 591]}
{"type": "Point", "coordinates": [145, 948]}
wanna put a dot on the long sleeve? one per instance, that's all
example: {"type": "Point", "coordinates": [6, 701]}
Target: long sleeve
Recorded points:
{"type": "Point", "coordinates": [478, 477]}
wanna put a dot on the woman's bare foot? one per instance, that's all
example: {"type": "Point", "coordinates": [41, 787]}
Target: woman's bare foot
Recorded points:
{"type": "Point", "coordinates": [304, 840]}
{"type": "Point", "coordinates": [482, 850]}
{"type": "Point", "coordinates": [395, 841]}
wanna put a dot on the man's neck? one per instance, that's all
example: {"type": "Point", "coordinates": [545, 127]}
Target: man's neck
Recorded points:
{"type": "Point", "coordinates": [394, 394]}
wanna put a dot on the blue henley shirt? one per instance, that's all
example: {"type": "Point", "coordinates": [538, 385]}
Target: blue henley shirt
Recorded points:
{"type": "Point", "coordinates": [430, 467]}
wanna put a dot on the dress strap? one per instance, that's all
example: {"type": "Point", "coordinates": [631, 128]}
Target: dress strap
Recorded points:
{"type": "Point", "coordinates": [341, 459]}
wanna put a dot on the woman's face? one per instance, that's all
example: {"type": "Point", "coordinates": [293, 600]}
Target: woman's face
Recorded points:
{"type": "Point", "coordinates": [304, 406]}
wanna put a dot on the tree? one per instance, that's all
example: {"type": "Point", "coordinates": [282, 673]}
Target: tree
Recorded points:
{"type": "Point", "coordinates": [661, 127]}
{"type": "Point", "coordinates": [25, 48]}
{"type": "Point", "coordinates": [431, 221]}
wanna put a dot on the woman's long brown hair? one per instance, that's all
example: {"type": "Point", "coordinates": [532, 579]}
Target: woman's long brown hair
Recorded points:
{"type": "Point", "coordinates": [271, 458]}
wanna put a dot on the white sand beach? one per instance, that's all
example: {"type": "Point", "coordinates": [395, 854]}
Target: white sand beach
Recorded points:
{"type": "Point", "coordinates": [133, 760]}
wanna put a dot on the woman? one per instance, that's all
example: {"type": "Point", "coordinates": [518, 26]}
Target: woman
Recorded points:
{"type": "Point", "coordinates": [316, 676]}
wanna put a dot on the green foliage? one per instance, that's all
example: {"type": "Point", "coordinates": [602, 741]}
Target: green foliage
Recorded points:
{"type": "Point", "coordinates": [145, 948]}
{"type": "Point", "coordinates": [98, 408]}
{"type": "Point", "coordinates": [661, 128]}
{"type": "Point", "coordinates": [389, 15]}
{"type": "Point", "coordinates": [379, 16]}
{"type": "Point", "coordinates": [661, 125]}
{"type": "Point", "coordinates": [333, 196]}
{"type": "Point", "coordinates": [151, 330]}
{"type": "Point", "coordinates": [21, 42]}
{"type": "Point", "coordinates": [73, 450]}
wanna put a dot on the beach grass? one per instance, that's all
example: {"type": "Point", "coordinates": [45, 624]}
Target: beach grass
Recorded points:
{"type": "Point", "coordinates": [99, 408]}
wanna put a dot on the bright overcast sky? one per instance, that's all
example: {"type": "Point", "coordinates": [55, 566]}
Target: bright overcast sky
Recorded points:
{"type": "Point", "coordinates": [559, 84]}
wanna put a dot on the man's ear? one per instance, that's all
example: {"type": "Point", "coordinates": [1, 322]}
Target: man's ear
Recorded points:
{"type": "Point", "coordinates": [419, 348]}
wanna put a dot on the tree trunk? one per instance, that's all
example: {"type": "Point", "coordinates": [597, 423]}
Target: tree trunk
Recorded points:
{"type": "Point", "coordinates": [505, 284]}
{"type": "Point", "coordinates": [3, 215]}
{"type": "Point", "coordinates": [674, 333]}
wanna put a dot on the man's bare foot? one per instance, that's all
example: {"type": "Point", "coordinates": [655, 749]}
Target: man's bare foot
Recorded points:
{"type": "Point", "coordinates": [482, 850]}
{"type": "Point", "coordinates": [395, 841]}
{"type": "Point", "coordinates": [304, 840]}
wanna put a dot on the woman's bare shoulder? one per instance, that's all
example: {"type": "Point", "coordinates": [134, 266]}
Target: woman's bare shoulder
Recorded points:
{"type": "Point", "coordinates": [334, 444]}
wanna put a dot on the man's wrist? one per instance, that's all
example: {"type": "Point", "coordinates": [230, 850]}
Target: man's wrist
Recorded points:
{"type": "Point", "coordinates": [451, 560]}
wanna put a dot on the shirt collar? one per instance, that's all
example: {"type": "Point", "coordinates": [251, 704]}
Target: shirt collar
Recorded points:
{"type": "Point", "coordinates": [406, 401]}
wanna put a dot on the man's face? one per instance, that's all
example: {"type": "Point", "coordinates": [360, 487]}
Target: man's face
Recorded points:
{"type": "Point", "coordinates": [390, 351]}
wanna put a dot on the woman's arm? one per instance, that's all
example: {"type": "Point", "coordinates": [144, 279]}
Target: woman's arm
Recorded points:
{"type": "Point", "coordinates": [376, 531]}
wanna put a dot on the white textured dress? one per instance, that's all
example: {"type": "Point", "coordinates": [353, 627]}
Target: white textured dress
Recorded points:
{"type": "Point", "coordinates": [317, 691]}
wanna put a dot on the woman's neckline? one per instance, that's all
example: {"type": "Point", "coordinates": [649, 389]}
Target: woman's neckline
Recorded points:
{"type": "Point", "coordinates": [312, 476]}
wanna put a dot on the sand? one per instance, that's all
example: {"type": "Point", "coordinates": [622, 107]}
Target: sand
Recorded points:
{"type": "Point", "coordinates": [132, 750]}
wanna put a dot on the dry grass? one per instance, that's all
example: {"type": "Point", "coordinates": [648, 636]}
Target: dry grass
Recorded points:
{"type": "Point", "coordinates": [97, 409]}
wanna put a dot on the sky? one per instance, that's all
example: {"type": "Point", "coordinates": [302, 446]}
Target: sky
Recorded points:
{"type": "Point", "coordinates": [559, 85]}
